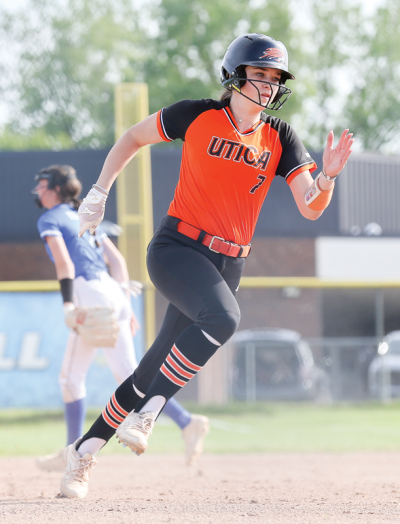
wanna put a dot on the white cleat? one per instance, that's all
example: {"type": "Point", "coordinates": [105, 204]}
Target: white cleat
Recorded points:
{"type": "Point", "coordinates": [193, 435]}
{"type": "Point", "coordinates": [135, 430]}
{"type": "Point", "coordinates": [75, 482]}
{"type": "Point", "coordinates": [53, 462]}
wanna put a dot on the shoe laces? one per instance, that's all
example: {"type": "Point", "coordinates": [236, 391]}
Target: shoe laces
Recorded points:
{"type": "Point", "coordinates": [143, 422]}
{"type": "Point", "coordinates": [82, 471]}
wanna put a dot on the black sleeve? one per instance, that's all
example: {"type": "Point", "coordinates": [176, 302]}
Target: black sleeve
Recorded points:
{"type": "Point", "coordinates": [67, 289]}
{"type": "Point", "coordinates": [294, 155]}
{"type": "Point", "coordinates": [176, 119]}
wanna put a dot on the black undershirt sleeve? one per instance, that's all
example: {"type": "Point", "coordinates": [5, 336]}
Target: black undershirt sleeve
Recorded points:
{"type": "Point", "coordinates": [294, 154]}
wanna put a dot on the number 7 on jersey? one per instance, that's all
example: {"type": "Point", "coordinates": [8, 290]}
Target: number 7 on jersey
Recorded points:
{"type": "Point", "coordinates": [262, 179]}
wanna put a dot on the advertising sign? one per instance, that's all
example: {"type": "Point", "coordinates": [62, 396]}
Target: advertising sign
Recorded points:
{"type": "Point", "coordinates": [33, 338]}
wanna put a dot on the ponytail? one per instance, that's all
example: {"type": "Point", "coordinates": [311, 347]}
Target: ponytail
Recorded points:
{"type": "Point", "coordinates": [76, 203]}
{"type": "Point", "coordinates": [241, 73]}
{"type": "Point", "coordinates": [226, 95]}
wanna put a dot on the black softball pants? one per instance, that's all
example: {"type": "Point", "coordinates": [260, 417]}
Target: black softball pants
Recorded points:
{"type": "Point", "coordinates": [202, 314]}
{"type": "Point", "coordinates": [200, 286]}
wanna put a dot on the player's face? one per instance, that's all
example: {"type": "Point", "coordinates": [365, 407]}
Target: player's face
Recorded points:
{"type": "Point", "coordinates": [265, 86]}
{"type": "Point", "coordinates": [41, 190]}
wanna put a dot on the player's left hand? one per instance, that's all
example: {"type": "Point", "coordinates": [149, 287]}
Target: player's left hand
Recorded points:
{"type": "Point", "coordinates": [334, 159]}
{"type": "Point", "coordinates": [97, 326]}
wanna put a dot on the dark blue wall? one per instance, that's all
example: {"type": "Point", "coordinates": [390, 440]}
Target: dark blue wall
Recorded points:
{"type": "Point", "coordinates": [18, 215]}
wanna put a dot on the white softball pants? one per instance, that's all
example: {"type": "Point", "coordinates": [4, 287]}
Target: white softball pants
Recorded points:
{"type": "Point", "coordinates": [104, 291]}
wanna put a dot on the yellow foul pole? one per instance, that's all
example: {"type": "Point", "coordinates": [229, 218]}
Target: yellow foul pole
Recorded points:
{"type": "Point", "coordinates": [134, 196]}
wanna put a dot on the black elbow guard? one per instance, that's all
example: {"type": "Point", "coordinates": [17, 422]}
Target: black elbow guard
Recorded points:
{"type": "Point", "coordinates": [67, 289]}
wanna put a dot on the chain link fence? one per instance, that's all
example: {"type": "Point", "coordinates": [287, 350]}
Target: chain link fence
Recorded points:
{"type": "Point", "coordinates": [309, 339]}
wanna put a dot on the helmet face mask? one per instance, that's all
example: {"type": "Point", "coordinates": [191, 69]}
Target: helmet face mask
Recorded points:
{"type": "Point", "coordinates": [276, 101]}
{"type": "Point", "coordinates": [260, 51]}
{"type": "Point", "coordinates": [37, 201]}
{"type": "Point", "coordinates": [38, 178]}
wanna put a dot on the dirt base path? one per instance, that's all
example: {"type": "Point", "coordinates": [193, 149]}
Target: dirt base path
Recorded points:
{"type": "Point", "coordinates": [279, 488]}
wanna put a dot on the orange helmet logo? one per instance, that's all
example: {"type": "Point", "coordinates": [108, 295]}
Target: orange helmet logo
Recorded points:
{"type": "Point", "coordinates": [273, 53]}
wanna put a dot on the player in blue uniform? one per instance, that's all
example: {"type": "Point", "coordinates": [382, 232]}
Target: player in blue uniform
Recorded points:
{"type": "Point", "coordinates": [85, 282]}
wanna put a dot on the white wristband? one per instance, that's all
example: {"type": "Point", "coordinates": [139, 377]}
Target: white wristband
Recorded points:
{"type": "Point", "coordinates": [68, 306]}
{"type": "Point", "coordinates": [328, 178]}
{"type": "Point", "coordinates": [96, 186]}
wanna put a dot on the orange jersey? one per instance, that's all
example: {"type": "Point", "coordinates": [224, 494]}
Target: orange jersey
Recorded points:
{"type": "Point", "coordinates": [225, 174]}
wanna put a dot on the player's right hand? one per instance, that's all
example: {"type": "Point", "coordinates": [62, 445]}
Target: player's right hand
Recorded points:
{"type": "Point", "coordinates": [91, 211]}
{"type": "Point", "coordinates": [134, 287]}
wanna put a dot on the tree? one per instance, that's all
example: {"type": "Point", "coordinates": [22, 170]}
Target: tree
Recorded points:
{"type": "Point", "coordinates": [193, 37]}
{"type": "Point", "coordinates": [36, 139]}
{"type": "Point", "coordinates": [356, 75]}
{"type": "Point", "coordinates": [73, 56]}
{"type": "Point", "coordinates": [373, 106]}
{"type": "Point", "coordinates": [70, 60]}
{"type": "Point", "coordinates": [72, 53]}
{"type": "Point", "coordinates": [333, 51]}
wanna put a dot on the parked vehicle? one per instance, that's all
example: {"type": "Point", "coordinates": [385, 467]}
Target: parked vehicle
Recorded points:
{"type": "Point", "coordinates": [275, 364]}
{"type": "Point", "coordinates": [384, 370]}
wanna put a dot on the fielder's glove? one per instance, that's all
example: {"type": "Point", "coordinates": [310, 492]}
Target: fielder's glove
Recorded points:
{"type": "Point", "coordinates": [134, 287]}
{"type": "Point", "coordinates": [96, 325]}
{"type": "Point", "coordinates": [91, 211]}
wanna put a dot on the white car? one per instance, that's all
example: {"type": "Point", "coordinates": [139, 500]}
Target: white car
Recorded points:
{"type": "Point", "coordinates": [384, 370]}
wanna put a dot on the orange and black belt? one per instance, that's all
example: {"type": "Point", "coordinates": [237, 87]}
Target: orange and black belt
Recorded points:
{"type": "Point", "coordinates": [214, 243]}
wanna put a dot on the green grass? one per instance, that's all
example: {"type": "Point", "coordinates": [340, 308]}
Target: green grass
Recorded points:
{"type": "Point", "coordinates": [236, 428]}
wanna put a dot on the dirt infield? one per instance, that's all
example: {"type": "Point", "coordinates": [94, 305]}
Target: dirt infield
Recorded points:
{"type": "Point", "coordinates": [297, 488]}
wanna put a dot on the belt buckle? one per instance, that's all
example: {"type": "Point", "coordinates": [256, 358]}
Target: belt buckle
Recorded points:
{"type": "Point", "coordinates": [212, 241]}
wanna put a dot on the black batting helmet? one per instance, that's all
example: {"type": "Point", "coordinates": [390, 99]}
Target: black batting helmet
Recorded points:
{"type": "Point", "coordinates": [65, 178]}
{"type": "Point", "coordinates": [257, 50]}
{"type": "Point", "coordinates": [56, 175]}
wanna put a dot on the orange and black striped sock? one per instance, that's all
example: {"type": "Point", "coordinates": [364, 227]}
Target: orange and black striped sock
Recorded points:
{"type": "Point", "coordinates": [188, 355]}
{"type": "Point", "coordinates": [122, 401]}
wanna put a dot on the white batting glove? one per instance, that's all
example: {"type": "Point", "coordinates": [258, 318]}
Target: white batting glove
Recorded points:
{"type": "Point", "coordinates": [91, 211]}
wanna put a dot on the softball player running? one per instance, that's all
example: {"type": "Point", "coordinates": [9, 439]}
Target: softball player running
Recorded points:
{"type": "Point", "coordinates": [97, 307]}
{"type": "Point", "coordinates": [232, 151]}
